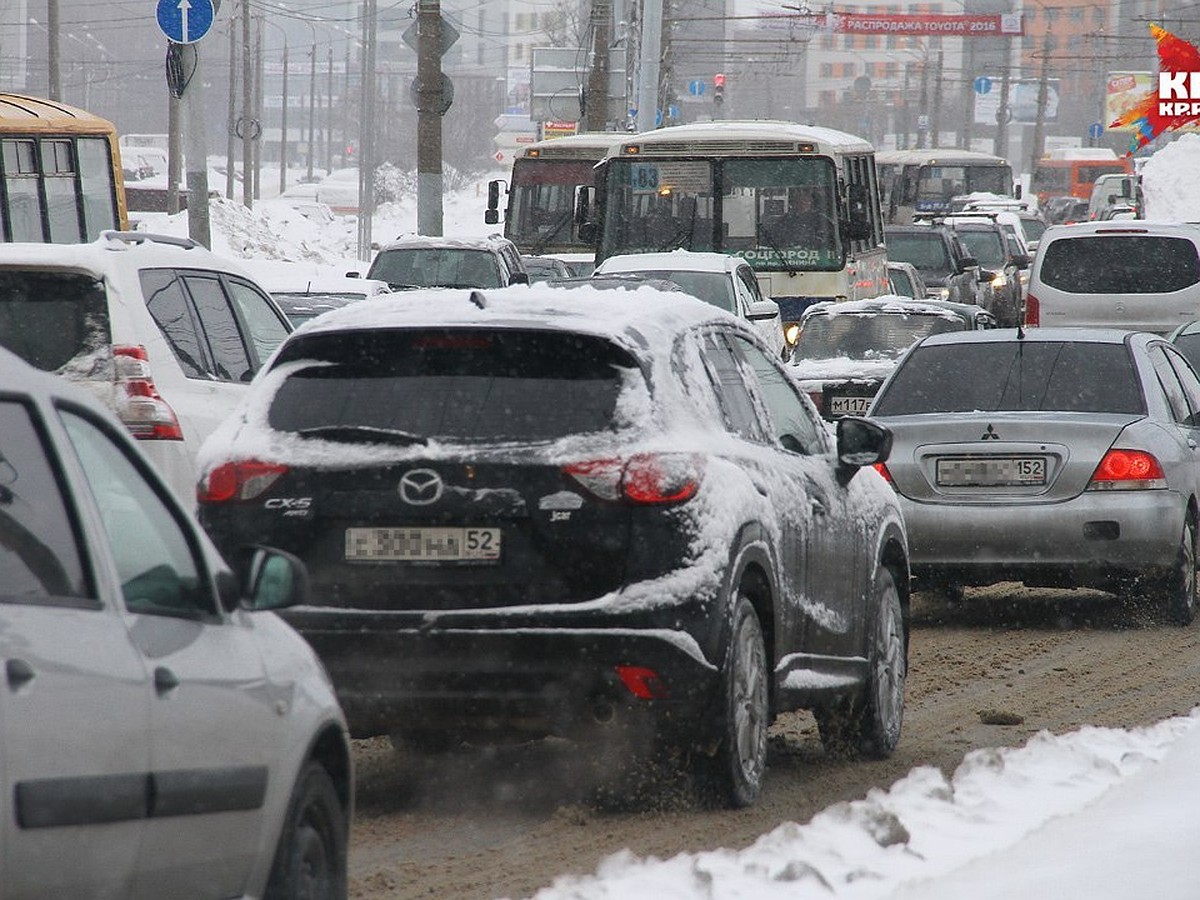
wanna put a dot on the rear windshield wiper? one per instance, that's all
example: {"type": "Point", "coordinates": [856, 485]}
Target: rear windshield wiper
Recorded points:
{"type": "Point", "coordinates": [365, 433]}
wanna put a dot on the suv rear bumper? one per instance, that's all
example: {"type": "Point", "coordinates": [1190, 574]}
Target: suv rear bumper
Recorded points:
{"type": "Point", "coordinates": [529, 681]}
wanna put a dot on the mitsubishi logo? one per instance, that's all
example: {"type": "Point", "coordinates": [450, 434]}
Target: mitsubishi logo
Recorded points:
{"type": "Point", "coordinates": [990, 434]}
{"type": "Point", "coordinates": [421, 487]}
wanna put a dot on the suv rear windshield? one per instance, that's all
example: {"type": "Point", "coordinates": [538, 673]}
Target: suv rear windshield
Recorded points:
{"type": "Point", "coordinates": [436, 267]}
{"type": "Point", "coordinates": [453, 384]}
{"type": "Point", "coordinates": [1060, 376]}
{"type": "Point", "coordinates": [49, 318]}
{"type": "Point", "coordinates": [1120, 264]}
{"type": "Point", "coordinates": [881, 336]}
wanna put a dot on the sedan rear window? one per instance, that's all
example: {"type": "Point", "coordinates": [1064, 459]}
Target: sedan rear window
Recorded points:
{"type": "Point", "coordinates": [50, 318]}
{"type": "Point", "coordinates": [1027, 376]}
{"type": "Point", "coordinates": [1120, 264]}
{"type": "Point", "coordinates": [452, 384]}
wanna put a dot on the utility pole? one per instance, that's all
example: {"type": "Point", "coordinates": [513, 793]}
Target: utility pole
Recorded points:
{"type": "Point", "coordinates": [649, 64]}
{"type": "Point", "coordinates": [923, 114]}
{"type": "Point", "coordinates": [312, 102]}
{"type": "Point", "coordinates": [247, 120]}
{"type": "Point", "coordinates": [329, 117]}
{"type": "Point", "coordinates": [366, 134]}
{"type": "Point", "coordinates": [935, 116]}
{"type": "Point", "coordinates": [1003, 115]}
{"type": "Point", "coordinates": [258, 107]}
{"type": "Point", "coordinates": [1039, 127]}
{"type": "Point", "coordinates": [283, 123]}
{"type": "Point", "coordinates": [185, 83]}
{"type": "Point", "coordinates": [230, 145]}
{"type": "Point", "coordinates": [597, 89]}
{"type": "Point", "coordinates": [430, 106]}
{"type": "Point", "coordinates": [174, 153]}
{"type": "Point", "coordinates": [53, 76]}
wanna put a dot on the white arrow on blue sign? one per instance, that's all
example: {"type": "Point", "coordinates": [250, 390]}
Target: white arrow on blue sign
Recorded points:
{"type": "Point", "coordinates": [184, 21]}
{"type": "Point", "coordinates": [696, 87]}
{"type": "Point", "coordinates": [982, 84]}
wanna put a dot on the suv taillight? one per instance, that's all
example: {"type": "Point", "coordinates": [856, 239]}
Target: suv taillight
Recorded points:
{"type": "Point", "coordinates": [142, 410]}
{"type": "Point", "coordinates": [645, 479]}
{"type": "Point", "coordinates": [243, 479]}
{"type": "Point", "coordinates": [1033, 311]}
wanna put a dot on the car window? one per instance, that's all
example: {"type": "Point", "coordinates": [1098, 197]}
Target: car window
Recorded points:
{"type": "Point", "coordinates": [746, 276]}
{"type": "Point", "coordinates": [40, 557]}
{"type": "Point", "coordinates": [1063, 376]}
{"type": "Point", "coordinates": [883, 335]}
{"type": "Point", "coordinates": [267, 330]}
{"type": "Point", "coordinates": [1169, 382]}
{"type": "Point", "coordinates": [794, 426]}
{"type": "Point", "coordinates": [1187, 380]}
{"type": "Point", "coordinates": [737, 406]}
{"type": "Point", "coordinates": [455, 384]}
{"type": "Point", "coordinates": [985, 246]}
{"type": "Point", "coordinates": [50, 318]}
{"type": "Point", "coordinates": [925, 251]}
{"type": "Point", "coordinates": [1120, 264]}
{"type": "Point", "coordinates": [168, 305]}
{"type": "Point", "coordinates": [231, 359]}
{"type": "Point", "coordinates": [154, 558]}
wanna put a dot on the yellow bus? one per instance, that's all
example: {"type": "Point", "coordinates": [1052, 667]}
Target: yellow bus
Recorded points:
{"type": "Point", "coordinates": [60, 173]}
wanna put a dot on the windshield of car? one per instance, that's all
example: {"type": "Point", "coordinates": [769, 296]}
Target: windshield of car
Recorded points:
{"type": "Point", "coordinates": [987, 246]}
{"type": "Point", "coordinates": [50, 318]}
{"type": "Point", "coordinates": [453, 384]}
{"type": "Point", "coordinates": [1063, 376]}
{"type": "Point", "coordinates": [436, 267]}
{"type": "Point", "coordinates": [873, 336]}
{"type": "Point", "coordinates": [1120, 264]}
{"type": "Point", "coordinates": [925, 251]}
{"type": "Point", "coordinates": [901, 283]}
{"type": "Point", "coordinates": [1033, 228]}
{"type": "Point", "coordinates": [715, 288]}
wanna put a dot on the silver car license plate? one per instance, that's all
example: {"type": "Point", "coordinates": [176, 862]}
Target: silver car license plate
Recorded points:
{"type": "Point", "coordinates": [423, 544]}
{"type": "Point", "coordinates": [849, 406]}
{"type": "Point", "coordinates": [991, 471]}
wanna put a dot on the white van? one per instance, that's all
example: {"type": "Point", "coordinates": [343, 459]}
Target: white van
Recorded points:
{"type": "Point", "coordinates": [1143, 276]}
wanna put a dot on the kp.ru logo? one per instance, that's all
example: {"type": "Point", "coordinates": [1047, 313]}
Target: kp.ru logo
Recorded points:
{"type": "Point", "coordinates": [1178, 94]}
{"type": "Point", "coordinates": [1176, 103]}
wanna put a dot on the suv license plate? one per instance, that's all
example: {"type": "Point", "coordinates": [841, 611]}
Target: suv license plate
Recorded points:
{"type": "Point", "coordinates": [1003, 471]}
{"type": "Point", "coordinates": [849, 406]}
{"type": "Point", "coordinates": [423, 544]}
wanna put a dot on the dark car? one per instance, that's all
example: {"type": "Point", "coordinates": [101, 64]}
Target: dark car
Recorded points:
{"type": "Point", "coordinates": [605, 515]}
{"type": "Point", "coordinates": [163, 734]}
{"type": "Point", "coordinates": [1002, 260]}
{"type": "Point", "coordinates": [947, 268]}
{"type": "Point", "coordinates": [846, 349]}
{"type": "Point", "coordinates": [415, 261]}
{"type": "Point", "coordinates": [544, 268]}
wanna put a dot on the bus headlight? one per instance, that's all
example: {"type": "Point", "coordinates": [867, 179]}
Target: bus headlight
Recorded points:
{"type": "Point", "coordinates": [791, 333]}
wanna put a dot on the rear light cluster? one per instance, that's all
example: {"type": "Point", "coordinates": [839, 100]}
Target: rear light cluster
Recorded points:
{"type": "Point", "coordinates": [1127, 470]}
{"type": "Point", "coordinates": [142, 410]}
{"type": "Point", "coordinates": [236, 481]}
{"type": "Point", "coordinates": [645, 479]}
{"type": "Point", "coordinates": [1033, 311]}
{"type": "Point", "coordinates": [818, 399]}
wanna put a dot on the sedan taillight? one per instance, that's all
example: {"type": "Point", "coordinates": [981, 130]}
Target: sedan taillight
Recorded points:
{"type": "Point", "coordinates": [645, 479]}
{"type": "Point", "coordinates": [1127, 470]}
{"type": "Point", "coordinates": [236, 481]}
{"type": "Point", "coordinates": [142, 410]}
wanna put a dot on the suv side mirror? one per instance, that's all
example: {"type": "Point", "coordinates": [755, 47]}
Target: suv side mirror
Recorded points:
{"type": "Point", "coordinates": [274, 580]}
{"type": "Point", "coordinates": [519, 278]}
{"type": "Point", "coordinates": [1021, 260]}
{"type": "Point", "coordinates": [968, 262]}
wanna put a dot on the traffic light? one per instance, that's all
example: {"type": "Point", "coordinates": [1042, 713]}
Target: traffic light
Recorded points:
{"type": "Point", "coordinates": [719, 88]}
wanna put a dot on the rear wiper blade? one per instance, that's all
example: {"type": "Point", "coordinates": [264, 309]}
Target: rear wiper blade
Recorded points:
{"type": "Point", "coordinates": [368, 433]}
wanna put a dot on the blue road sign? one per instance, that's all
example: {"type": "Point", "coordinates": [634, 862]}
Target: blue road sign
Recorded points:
{"type": "Point", "coordinates": [696, 87]}
{"type": "Point", "coordinates": [982, 84]}
{"type": "Point", "coordinates": [1095, 130]}
{"type": "Point", "coordinates": [184, 21]}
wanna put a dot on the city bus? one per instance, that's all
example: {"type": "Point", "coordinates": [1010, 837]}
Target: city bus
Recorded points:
{"type": "Point", "coordinates": [60, 173]}
{"type": "Point", "coordinates": [1072, 172]}
{"type": "Point", "coordinates": [539, 217]}
{"type": "Point", "coordinates": [740, 188]}
{"type": "Point", "coordinates": [923, 182]}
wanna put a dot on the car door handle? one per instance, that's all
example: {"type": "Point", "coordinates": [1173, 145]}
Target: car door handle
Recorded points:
{"type": "Point", "coordinates": [18, 672]}
{"type": "Point", "coordinates": [164, 680]}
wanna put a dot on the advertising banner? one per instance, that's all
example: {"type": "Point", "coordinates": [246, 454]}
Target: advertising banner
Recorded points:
{"type": "Point", "coordinates": [929, 24]}
{"type": "Point", "coordinates": [1122, 92]}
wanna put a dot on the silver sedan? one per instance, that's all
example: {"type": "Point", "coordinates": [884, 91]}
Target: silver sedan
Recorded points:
{"type": "Point", "coordinates": [1054, 457]}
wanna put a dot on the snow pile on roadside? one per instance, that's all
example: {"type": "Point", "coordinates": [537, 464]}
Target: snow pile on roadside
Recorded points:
{"type": "Point", "coordinates": [1171, 181]}
{"type": "Point", "coordinates": [898, 843]}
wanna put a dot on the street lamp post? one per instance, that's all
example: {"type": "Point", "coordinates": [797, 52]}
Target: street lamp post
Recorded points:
{"type": "Point", "coordinates": [312, 101]}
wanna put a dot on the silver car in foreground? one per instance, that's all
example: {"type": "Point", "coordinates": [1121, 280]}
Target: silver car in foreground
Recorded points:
{"type": "Point", "coordinates": [1053, 456]}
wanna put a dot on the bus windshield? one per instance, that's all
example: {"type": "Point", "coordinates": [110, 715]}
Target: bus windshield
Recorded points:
{"type": "Point", "coordinates": [780, 214]}
{"type": "Point", "coordinates": [542, 203]}
{"type": "Point", "coordinates": [936, 185]}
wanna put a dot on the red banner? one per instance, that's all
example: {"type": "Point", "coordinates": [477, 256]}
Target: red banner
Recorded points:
{"type": "Point", "coordinates": [999, 25]}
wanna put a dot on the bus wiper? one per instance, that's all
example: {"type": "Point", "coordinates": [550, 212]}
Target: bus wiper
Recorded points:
{"type": "Point", "coordinates": [555, 227]}
{"type": "Point", "coordinates": [368, 433]}
{"type": "Point", "coordinates": [687, 231]}
{"type": "Point", "coordinates": [765, 232]}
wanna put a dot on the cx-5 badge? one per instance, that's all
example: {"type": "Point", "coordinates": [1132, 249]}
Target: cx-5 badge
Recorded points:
{"type": "Point", "coordinates": [421, 487]}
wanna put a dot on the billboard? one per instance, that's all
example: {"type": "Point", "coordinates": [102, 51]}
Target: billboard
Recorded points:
{"type": "Point", "coordinates": [1122, 92]}
{"type": "Point", "coordinates": [1022, 102]}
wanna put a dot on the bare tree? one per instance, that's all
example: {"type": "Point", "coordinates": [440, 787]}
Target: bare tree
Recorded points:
{"type": "Point", "coordinates": [567, 23]}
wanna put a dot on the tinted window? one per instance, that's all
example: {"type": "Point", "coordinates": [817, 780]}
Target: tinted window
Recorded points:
{"type": "Point", "coordinates": [737, 406]}
{"type": "Point", "coordinates": [267, 330]}
{"type": "Point", "coordinates": [901, 283]}
{"type": "Point", "coordinates": [437, 267]}
{"type": "Point", "coordinates": [48, 318]}
{"type": "Point", "coordinates": [154, 559]}
{"type": "Point", "coordinates": [1017, 375]}
{"type": "Point", "coordinates": [925, 251]}
{"type": "Point", "coordinates": [1189, 346]}
{"type": "Point", "coordinates": [463, 385]}
{"type": "Point", "coordinates": [714, 288]}
{"type": "Point", "coordinates": [794, 426]}
{"type": "Point", "coordinates": [232, 363]}
{"type": "Point", "coordinates": [39, 552]}
{"type": "Point", "coordinates": [1120, 264]}
{"type": "Point", "coordinates": [169, 306]}
{"type": "Point", "coordinates": [985, 246]}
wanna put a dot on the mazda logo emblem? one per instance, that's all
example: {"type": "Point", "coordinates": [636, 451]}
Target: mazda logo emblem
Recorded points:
{"type": "Point", "coordinates": [421, 487]}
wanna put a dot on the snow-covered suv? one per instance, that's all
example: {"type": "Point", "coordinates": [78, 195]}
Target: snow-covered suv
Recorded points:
{"type": "Point", "coordinates": [163, 332]}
